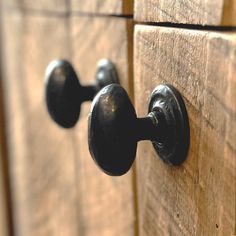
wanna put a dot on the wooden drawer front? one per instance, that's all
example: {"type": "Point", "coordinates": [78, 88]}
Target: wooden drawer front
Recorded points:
{"type": "Point", "coordinates": [56, 187]}
{"type": "Point", "coordinates": [107, 7]}
{"type": "Point", "coordinates": [198, 197]}
{"type": "Point", "coordinates": [204, 12]}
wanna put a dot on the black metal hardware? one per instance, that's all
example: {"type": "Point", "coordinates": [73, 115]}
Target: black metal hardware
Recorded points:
{"type": "Point", "coordinates": [64, 93]}
{"type": "Point", "coordinates": [114, 128]}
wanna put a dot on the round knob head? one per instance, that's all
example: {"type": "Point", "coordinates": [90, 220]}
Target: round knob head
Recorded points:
{"type": "Point", "coordinates": [62, 89]}
{"type": "Point", "coordinates": [111, 130]}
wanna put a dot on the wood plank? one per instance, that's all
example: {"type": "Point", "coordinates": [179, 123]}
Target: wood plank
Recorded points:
{"type": "Point", "coordinates": [59, 6]}
{"type": "Point", "coordinates": [4, 188]}
{"type": "Point", "coordinates": [112, 7]}
{"type": "Point", "coordinates": [198, 197]}
{"type": "Point", "coordinates": [57, 188]}
{"type": "Point", "coordinates": [203, 12]}
{"type": "Point", "coordinates": [5, 211]}
{"type": "Point", "coordinates": [107, 7]}
{"type": "Point", "coordinates": [41, 155]}
{"type": "Point", "coordinates": [106, 202]}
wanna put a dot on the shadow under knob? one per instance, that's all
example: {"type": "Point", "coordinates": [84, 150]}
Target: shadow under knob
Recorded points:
{"type": "Point", "coordinates": [65, 94]}
{"type": "Point", "coordinates": [114, 128]}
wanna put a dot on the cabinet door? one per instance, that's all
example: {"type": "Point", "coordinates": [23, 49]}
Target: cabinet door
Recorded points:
{"type": "Point", "coordinates": [56, 187]}
{"type": "Point", "coordinates": [203, 12]}
{"type": "Point", "coordinates": [197, 197]}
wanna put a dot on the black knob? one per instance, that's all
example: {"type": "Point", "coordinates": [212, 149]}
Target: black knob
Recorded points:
{"type": "Point", "coordinates": [64, 93]}
{"type": "Point", "coordinates": [114, 128]}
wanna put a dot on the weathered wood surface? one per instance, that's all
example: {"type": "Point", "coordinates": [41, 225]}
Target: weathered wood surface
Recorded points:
{"type": "Point", "coordinates": [106, 7]}
{"type": "Point", "coordinates": [198, 197]}
{"type": "Point", "coordinates": [60, 6]}
{"type": "Point", "coordinates": [114, 7]}
{"type": "Point", "coordinates": [5, 225]}
{"type": "Point", "coordinates": [106, 203]}
{"type": "Point", "coordinates": [57, 189]}
{"type": "Point", "coordinates": [203, 12]}
{"type": "Point", "coordinates": [4, 188]}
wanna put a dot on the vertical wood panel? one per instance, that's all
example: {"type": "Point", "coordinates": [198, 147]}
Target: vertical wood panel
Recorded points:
{"type": "Point", "coordinates": [198, 197]}
{"type": "Point", "coordinates": [4, 188]}
{"type": "Point", "coordinates": [107, 206]}
{"type": "Point", "coordinates": [57, 189]}
{"type": "Point", "coordinates": [41, 155]}
{"type": "Point", "coordinates": [5, 203]}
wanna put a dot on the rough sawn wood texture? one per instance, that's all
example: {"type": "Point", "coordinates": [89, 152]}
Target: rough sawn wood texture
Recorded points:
{"type": "Point", "coordinates": [56, 187]}
{"type": "Point", "coordinates": [203, 12]}
{"type": "Point", "coordinates": [198, 197]}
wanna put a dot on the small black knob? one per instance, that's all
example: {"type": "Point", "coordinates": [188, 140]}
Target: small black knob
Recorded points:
{"type": "Point", "coordinates": [114, 128]}
{"type": "Point", "coordinates": [64, 93]}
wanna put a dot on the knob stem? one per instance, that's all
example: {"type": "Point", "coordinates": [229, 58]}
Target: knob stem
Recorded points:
{"type": "Point", "coordinates": [151, 127]}
{"type": "Point", "coordinates": [88, 93]}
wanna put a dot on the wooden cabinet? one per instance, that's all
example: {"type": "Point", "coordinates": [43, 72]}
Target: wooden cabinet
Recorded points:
{"type": "Point", "coordinates": [50, 183]}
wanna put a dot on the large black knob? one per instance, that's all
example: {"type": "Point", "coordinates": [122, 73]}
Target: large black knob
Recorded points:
{"type": "Point", "coordinates": [64, 93]}
{"type": "Point", "coordinates": [114, 128]}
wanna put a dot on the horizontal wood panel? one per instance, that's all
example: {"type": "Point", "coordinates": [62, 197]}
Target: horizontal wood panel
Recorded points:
{"type": "Point", "coordinates": [203, 12]}
{"type": "Point", "coordinates": [115, 7]}
{"type": "Point", "coordinates": [57, 189]}
{"type": "Point", "coordinates": [106, 7]}
{"type": "Point", "coordinates": [198, 197]}
{"type": "Point", "coordinates": [40, 5]}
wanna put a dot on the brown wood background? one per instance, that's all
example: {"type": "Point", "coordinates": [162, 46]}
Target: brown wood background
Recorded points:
{"type": "Point", "coordinates": [198, 197]}
{"type": "Point", "coordinates": [56, 187]}
{"type": "Point", "coordinates": [105, 7]}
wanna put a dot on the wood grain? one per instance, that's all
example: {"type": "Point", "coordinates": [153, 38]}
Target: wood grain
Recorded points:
{"type": "Point", "coordinates": [41, 155]}
{"type": "Point", "coordinates": [112, 7]}
{"type": "Point", "coordinates": [57, 189]}
{"type": "Point", "coordinates": [106, 7]}
{"type": "Point", "coordinates": [198, 197]}
{"type": "Point", "coordinates": [203, 12]}
{"type": "Point", "coordinates": [60, 6]}
{"type": "Point", "coordinates": [106, 204]}
{"type": "Point", "coordinates": [4, 188]}
{"type": "Point", "coordinates": [5, 211]}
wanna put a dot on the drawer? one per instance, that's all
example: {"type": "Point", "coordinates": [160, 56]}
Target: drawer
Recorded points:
{"type": "Point", "coordinates": [198, 197]}
{"type": "Point", "coordinates": [56, 188]}
{"type": "Point", "coordinates": [203, 12]}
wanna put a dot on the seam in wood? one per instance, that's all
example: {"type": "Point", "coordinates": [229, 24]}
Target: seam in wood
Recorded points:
{"type": "Point", "coordinates": [130, 49]}
{"type": "Point", "coordinates": [189, 26]}
{"type": "Point", "coordinates": [49, 13]}
{"type": "Point", "coordinates": [3, 153]}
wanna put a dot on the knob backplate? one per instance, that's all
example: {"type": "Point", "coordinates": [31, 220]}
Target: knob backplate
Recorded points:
{"type": "Point", "coordinates": [167, 100]}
